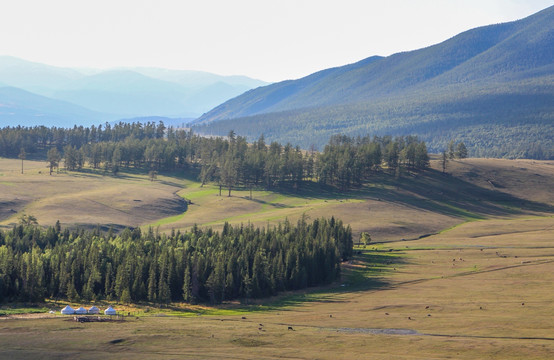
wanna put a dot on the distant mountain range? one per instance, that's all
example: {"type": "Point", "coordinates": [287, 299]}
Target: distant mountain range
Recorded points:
{"type": "Point", "coordinates": [491, 87]}
{"type": "Point", "coordinates": [38, 94]}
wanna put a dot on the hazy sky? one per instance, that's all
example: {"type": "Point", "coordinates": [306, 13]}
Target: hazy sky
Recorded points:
{"type": "Point", "coordinates": [267, 39]}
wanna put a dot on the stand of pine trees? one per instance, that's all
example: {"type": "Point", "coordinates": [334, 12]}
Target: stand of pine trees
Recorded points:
{"type": "Point", "coordinates": [240, 262]}
{"type": "Point", "coordinates": [230, 162]}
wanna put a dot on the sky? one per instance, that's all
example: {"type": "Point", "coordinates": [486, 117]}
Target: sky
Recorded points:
{"type": "Point", "coordinates": [270, 40]}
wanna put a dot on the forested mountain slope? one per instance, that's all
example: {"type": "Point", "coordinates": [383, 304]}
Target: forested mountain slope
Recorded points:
{"type": "Point", "coordinates": [490, 87]}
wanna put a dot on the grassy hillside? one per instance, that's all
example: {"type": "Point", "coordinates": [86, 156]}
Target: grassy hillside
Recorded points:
{"type": "Point", "coordinates": [413, 205]}
{"type": "Point", "coordinates": [87, 199]}
{"type": "Point", "coordinates": [491, 80]}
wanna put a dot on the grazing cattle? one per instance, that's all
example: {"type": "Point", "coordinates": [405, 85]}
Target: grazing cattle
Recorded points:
{"type": "Point", "coordinates": [386, 313]}
{"type": "Point", "coordinates": [290, 328]}
{"type": "Point", "coordinates": [243, 318]}
{"type": "Point", "coordinates": [427, 307]}
{"type": "Point", "coordinates": [261, 324]}
{"type": "Point", "coordinates": [522, 304]}
{"type": "Point", "coordinates": [330, 315]}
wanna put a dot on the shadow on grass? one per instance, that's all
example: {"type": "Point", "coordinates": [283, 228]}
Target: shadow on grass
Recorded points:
{"type": "Point", "coordinates": [428, 190]}
{"type": "Point", "coordinates": [272, 204]}
{"type": "Point", "coordinates": [369, 269]}
{"type": "Point", "coordinates": [366, 271]}
{"type": "Point", "coordinates": [190, 174]}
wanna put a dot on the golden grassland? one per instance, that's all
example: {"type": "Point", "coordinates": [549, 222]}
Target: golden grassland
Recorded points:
{"type": "Point", "coordinates": [86, 198]}
{"type": "Point", "coordinates": [479, 290]}
{"type": "Point", "coordinates": [479, 286]}
{"type": "Point", "coordinates": [414, 205]}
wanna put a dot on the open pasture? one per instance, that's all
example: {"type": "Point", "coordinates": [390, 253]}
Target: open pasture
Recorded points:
{"type": "Point", "coordinates": [87, 198]}
{"type": "Point", "coordinates": [479, 290]}
{"type": "Point", "coordinates": [413, 205]}
{"type": "Point", "coordinates": [416, 204]}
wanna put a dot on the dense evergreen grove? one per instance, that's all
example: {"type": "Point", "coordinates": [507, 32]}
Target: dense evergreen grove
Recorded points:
{"type": "Point", "coordinates": [241, 262]}
{"type": "Point", "coordinates": [230, 161]}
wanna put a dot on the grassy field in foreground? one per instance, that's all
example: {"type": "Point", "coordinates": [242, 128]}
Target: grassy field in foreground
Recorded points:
{"type": "Point", "coordinates": [479, 290]}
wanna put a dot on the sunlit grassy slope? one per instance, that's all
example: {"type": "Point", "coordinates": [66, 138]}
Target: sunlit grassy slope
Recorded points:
{"type": "Point", "coordinates": [413, 205]}
{"type": "Point", "coordinates": [89, 198]}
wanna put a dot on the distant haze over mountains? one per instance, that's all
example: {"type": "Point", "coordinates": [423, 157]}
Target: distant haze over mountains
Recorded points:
{"type": "Point", "coordinates": [491, 87]}
{"type": "Point", "coordinates": [38, 94]}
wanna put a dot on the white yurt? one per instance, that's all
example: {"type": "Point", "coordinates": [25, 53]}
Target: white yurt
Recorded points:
{"type": "Point", "coordinates": [94, 310]}
{"type": "Point", "coordinates": [81, 311]}
{"type": "Point", "coordinates": [68, 310]}
{"type": "Point", "coordinates": [110, 311]}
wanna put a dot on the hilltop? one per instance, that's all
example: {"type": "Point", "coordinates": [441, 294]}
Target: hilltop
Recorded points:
{"type": "Point", "coordinates": [490, 87]}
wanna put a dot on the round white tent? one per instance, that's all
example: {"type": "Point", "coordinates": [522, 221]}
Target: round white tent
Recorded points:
{"type": "Point", "coordinates": [94, 310]}
{"type": "Point", "coordinates": [81, 311]}
{"type": "Point", "coordinates": [110, 311]}
{"type": "Point", "coordinates": [68, 310]}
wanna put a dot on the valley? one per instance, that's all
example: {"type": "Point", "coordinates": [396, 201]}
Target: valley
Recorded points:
{"type": "Point", "coordinates": [477, 286]}
{"type": "Point", "coordinates": [389, 196]}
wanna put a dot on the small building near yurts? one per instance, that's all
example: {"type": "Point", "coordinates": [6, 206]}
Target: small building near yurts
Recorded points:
{"type": "Point", "coordinates": [94, 310]}
{"type": "Point", "coordinates": [68, 310]}
{"type": "Point", "coordinates": [110, 311]}
{"type": "Point", "coordinates": [81, 311]}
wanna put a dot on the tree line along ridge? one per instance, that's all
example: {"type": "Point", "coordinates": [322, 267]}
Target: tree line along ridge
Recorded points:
{"type": "Point", "coordinates": [229, 161]}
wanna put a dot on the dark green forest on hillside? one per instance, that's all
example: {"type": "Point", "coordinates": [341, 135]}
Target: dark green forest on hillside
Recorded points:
{"type": "Point", "coordinates": [489, 87]}
{"type": "Point", "coordinates": [241, 262]}
{"type": "Point", "coordinates": [502, 125]}
{"type": "Point", "coordinates": [229, 161]}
